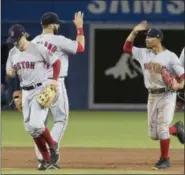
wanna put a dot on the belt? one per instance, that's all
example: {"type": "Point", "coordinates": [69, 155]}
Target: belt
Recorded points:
{"type": "Point", "coordinates": [157, 91]}
{"type": "Point", "coordinates": [28, 88]}
{"type": "Point", "coordinates": [58, 77]}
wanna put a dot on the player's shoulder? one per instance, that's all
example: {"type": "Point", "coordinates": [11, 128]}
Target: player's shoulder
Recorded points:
{"type": "Point", "coordinates": [171, 54]}
{"type": "Point", "coordinates": [37, 47]}
{"type": "Point", "coordinates": [141, 49]}
{"type": "Point", "coordinates": [57, 37]}
{"type": "Point", "coordinates": [13, 51]}
{"type": "Point", "coordinates": [36, 38]}
{"type": "Point", "coordinates": [183, 50]}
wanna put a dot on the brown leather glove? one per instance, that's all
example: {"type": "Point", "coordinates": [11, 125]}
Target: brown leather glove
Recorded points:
{"type": "Point", "coordinates": [17, 98]}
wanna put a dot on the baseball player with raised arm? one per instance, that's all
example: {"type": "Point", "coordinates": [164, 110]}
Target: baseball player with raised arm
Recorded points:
{"type": "Point", "coordinates": [155, 59]}
{"type": "Point", "coordinates": [28, 61]}
{"type": "Point", "coordinates": [62, 47]}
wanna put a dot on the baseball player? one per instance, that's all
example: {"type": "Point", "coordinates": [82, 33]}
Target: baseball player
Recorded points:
{"type": "Point", "coordinates": [180, 94]}
{"type": "Point", "coordinates": [161, 101]}
{"type": "Point", "coordinates": [28, 61]}
{"type": "Point", "coordinates": [62, 47]}
{"type": "Point", "coordinates": [182, 58]}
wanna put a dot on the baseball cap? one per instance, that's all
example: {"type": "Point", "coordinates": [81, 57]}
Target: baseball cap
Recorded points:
{"type": "Point", "coordinates": [15, 33]}
{"type": "Point", "coordinates": [153, 32]}
{"type": "Point", "coordinates": [50, 18]}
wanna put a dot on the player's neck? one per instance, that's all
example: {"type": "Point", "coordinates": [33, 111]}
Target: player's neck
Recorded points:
{"type": "Point", "coordinates": [158, 49]}
{"type": "Point", "coordinates": [47, 31]}
{"type": "Point", "coordinates": [24, 46]}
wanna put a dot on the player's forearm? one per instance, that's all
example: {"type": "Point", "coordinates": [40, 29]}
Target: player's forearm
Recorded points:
{"type": "Point", "coordinates": [132, 36]}
{"type": "Point", "coordinates": [127, 47]}
{"type": "Point", "coordinates": [80, 39]}
{"type": "Point", "coordinates": [56, 69]}
{"type": "Point", "coordinates": [181, 85]}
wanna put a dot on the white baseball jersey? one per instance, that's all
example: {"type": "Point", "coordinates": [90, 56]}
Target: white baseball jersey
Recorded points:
{"type": "Point", "coordinates": [30, 65]}
{"type": "Point", "coordinates": [166, 58]}
{"type": "Point", "coordinates": [61, 47]}
{"type": "Point", "coordinates": [182, 58]}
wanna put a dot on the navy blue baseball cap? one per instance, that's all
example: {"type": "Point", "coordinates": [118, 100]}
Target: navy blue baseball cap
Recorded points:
{"type": "Point", "coordinates": [153, 32]}
{"type": "Point", "coordinates": [50, 18]}
{"type": "Point", "coordinates": [15, 33]}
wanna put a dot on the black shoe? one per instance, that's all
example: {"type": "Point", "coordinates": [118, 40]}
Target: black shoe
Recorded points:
{"type": "Point", "coordinates": [180, 132]}
{"type": "Point", "coordinates": [162, 164]}
{"type": "Point", "coordinates": [45, 165]}
{"type": "Point", "coordinates": [55, 156]}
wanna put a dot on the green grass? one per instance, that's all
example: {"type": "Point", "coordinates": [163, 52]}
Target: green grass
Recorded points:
{"type": "Point", "coordinates": [90, 129]}
{"type": "Point", "coordinates": [75, 171]}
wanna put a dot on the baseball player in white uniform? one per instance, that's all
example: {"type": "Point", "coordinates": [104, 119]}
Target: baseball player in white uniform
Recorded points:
{"type": "Point", "coordinates": [181, 93]}
{"type": "Point", "coordinates": [161, 101]}
{"type": "Point", "coordinates": [28, 61]}
{"type": "Point", "coordinates": [62, 47]}
{"type": "Point", "coordinates": [182, 58]}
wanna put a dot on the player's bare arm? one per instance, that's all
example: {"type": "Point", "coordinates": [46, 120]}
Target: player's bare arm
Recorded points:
{"type": "Point", "coordinates": [130, 39]}
{"type": "Point", "coordinates": [78, 21]}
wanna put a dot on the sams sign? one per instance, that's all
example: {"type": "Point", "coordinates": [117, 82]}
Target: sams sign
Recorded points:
{"type": "Point", "coordinates": [130, 10]}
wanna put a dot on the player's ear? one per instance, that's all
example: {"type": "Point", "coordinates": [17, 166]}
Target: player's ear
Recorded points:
{"type": "Point", "coordinates": [26, 35]}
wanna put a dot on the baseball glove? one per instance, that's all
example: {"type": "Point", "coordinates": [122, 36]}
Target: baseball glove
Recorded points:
{"type": "Point", "coordinates": [169, 80]}
{"type": "Point", "coordinates": [17, 98]}
{"type": "Point", "coordinates": [46, 96]}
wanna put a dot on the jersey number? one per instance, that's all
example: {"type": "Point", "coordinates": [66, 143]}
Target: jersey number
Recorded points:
{"type": "Point", "coordinates": [50, 46]}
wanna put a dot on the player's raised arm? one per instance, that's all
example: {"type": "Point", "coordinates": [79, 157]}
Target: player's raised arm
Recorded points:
{"type": "Point", "coordinates": [74, 46]}
{"type": "Point", "coordinates": [78, 21]}
{"type": "Point", "coordinates": [128, 45]}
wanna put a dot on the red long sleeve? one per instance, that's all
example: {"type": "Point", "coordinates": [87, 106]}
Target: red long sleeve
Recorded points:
{"type": "Point", "coordinates": [127, 48]}
{"type": "Point", "coordinates": [80, 48]}
{"type": "Point", "coordinates": [180, 78]}
{"type": "Point", "coordinates": [56, 69]}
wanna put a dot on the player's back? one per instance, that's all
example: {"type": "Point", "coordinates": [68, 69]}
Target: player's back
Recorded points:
{"type": "Point", "coordinates": [60, 46]}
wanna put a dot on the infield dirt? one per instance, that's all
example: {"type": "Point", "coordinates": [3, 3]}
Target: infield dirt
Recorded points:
{"type": "Point", "coordinates": [96, 158]}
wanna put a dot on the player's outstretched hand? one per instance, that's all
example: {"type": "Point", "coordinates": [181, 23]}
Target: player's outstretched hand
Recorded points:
{"type": "Point", "coordinates": [54, 84]}
{"type": "Point", "coordinates": [78, 19]}
{"type": "Point", "coordinates": [140, 27]}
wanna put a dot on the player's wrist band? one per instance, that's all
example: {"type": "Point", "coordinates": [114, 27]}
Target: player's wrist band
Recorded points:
{"type": "Point", "coordinates": [80, 31]}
